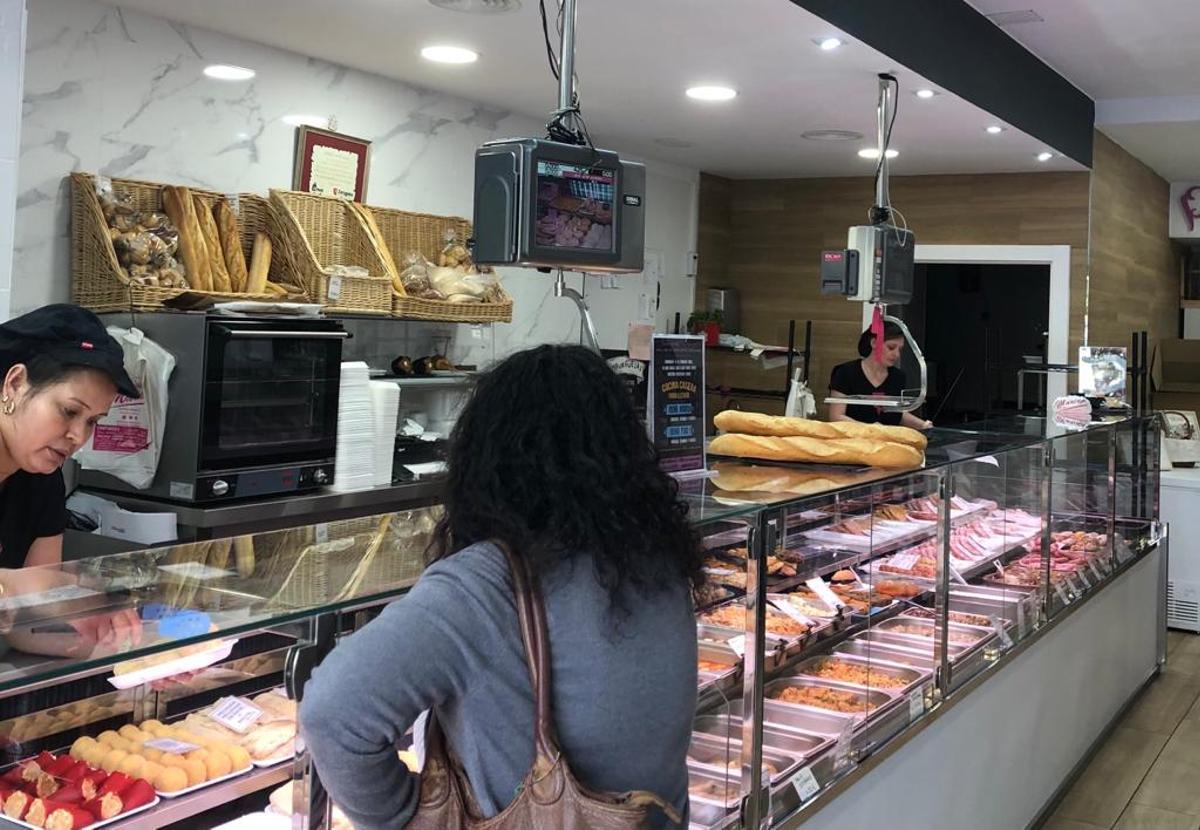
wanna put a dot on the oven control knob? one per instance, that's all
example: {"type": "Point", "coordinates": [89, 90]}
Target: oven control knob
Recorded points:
{"type": "Point", "coordinates": [220, 488]}
{"type": "Point", "coordinates": [320, 476]}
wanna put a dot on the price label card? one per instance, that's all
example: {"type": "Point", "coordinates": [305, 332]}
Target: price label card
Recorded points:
{"type": "Point", "coordinates": [1001, 632]}
{"type": "Point", "coordinates": [335, 287]}
{"type": "Point", "coordinates": [738, 644]}
{"type": "Point", "coordinates": [999, 568]}
{"type": "Point", "coordinates": [1062, 594]}
{"type": "Point", "coordinates": [321, 532]}
{"type": "Point", "coordinates": [785, 607]}
{"type": "Point", "coordinates": [1095, 570]}
{"type": "Point", "coordinates": [171, 746]}
{"type": "Point", "coordinates": [1082, 576]}
{"type": "Point", "coordinates": [916, 704]}
{"type": "Point", "coordinates": [1124, 554]}
{"type": "Point", "coordinates": [957, 576]}
{"type": "Point", "coordinates": [806, 784]}
{"type": "Point", "coordinates": [818, 587]}
{"type": "Point", "coordinates": [1021, 618]}
{"type": "Point", "coordinates": [845, 744]}
{"type": "Point", "coordinates": [235, 203]}
{"type": "Point", "coordinates": [236, 713]}
{"type": "Point", "coordinates": [905, 561]}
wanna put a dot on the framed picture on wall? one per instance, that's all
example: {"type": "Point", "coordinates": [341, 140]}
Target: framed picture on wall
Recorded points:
{"type": "Point", "coordinates": [331, 164]}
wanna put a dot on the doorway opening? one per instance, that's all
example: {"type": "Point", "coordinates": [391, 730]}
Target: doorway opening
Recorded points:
{"type": "Point", "coordinates": [979, 324]}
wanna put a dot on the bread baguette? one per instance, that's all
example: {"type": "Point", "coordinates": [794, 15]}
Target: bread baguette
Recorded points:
{"type": "Point", "coordinates": [881, 432]}
{"type": "Point", "coordinates": [814, 450]}
{"type": "Point", "coordinates": [755, 423]}
{"type": "Point", "coordinates": [177, 203]}
{"type": "Point", "coordinates": [260, 265]}
{"type": "Point", "coordinates": [747, 478]}
{"type": "Point", "coordinates": [212, 245]}
{"type": "Point", "coordinates": [231, 245]}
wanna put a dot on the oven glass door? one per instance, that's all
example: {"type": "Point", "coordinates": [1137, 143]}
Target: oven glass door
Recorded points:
{"type": "Point", "coordinates": [270, 397]}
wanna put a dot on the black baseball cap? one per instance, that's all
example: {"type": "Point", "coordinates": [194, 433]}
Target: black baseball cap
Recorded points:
{"type": "Point", "coordinates": [71, 335]}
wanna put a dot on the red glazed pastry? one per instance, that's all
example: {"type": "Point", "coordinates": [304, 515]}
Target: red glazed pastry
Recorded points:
{"type": "Point", "coordinates": [45, 760]}
{"type": "Point", "coordinates": [106, 806]}
{"type": "Point", "coordinates": [139, 794]}
{"type": "Point", "coordinates": [116, 783]}
{"type": "Point", "coordinates": [59, 766]}
{"type": "Point", "coordinates": [69, 818]}
{"type": "Point", "coordinates": [16, 804]}
{"type": "Point", "coordinates": [91, 783]}
{"type": "Point", "coordinates": [77, 772]}
{"type": "Point", "coordinates": [69, 793]}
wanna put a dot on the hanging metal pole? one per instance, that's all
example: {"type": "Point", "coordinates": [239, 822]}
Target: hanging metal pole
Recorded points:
{"type": "Point", "coordinates": [566, 57]}
{"type": "Point", "coordinates": [883, 113]}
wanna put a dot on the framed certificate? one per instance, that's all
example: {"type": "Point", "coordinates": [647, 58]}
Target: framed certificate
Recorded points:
{"type": "Point", "coordinates": [331, 164]}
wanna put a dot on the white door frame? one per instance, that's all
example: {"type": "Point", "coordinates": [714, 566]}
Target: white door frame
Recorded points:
{"type": "Point", "coordinates": [1058, 257]}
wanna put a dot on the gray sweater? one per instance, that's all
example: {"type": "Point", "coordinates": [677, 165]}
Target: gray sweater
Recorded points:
{"type": "Point", "coordinates": [624, 692]}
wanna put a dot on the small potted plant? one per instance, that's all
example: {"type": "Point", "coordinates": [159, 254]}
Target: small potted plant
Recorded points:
{"type": "Point", "coordinates": [707, 323]}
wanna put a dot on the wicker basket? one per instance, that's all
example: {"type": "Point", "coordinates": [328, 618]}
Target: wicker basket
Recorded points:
{"type": "Point", "coordinates": [97, 280]}
{"type": "Point", "coordinates": [404, 232]}
{"type": "Point", "coordinates": [318, 232]}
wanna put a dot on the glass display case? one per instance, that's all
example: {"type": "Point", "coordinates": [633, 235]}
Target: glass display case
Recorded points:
{"type": "Point", "coordinates": [843, 606]}
{"type": "Point", "coordinates": [878, 597]}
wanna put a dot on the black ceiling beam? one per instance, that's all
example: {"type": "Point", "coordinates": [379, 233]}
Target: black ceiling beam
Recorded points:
{"type": "Point", "coordinates": [954, 46]}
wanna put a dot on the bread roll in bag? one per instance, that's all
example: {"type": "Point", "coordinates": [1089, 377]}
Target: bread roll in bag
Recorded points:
{"type": "Point", "coordinates": [815, 451]}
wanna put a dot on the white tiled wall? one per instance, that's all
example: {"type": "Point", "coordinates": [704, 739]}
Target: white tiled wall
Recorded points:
{"type": "Point", "coordinates": [12, 53]}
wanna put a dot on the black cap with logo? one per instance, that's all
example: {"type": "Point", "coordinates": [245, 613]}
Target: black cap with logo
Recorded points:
{"type": "Point", "coordinates": [71, 335]}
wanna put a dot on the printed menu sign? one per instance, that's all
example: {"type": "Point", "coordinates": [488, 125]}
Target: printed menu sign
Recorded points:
{"type": "Point", "coordinates": [675, 409]}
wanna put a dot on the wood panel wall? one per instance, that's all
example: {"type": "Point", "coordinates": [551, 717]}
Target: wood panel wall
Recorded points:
{"type": "Point", "coordinates": [1135, 266]}
{"type": "Point", "coordinates": [777, 229]}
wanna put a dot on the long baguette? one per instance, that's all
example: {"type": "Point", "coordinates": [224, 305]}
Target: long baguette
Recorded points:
{"type": "Point", "coordinates": [260, 265]}
{"type": "Point", "coordinates": [231, 245]}
{"type": "Point", "coordinates": [755, 423]}
{"type": "Point", "coordinates": [814, 450]}
{"type": "Point", "coordinates": [739, 477]}
{"type": "Point", "coordinates": [389, 264]}
{"type": "Point", "coordinates": [212, 245]}
{"type": "Point", "coordinates": [177, 202]}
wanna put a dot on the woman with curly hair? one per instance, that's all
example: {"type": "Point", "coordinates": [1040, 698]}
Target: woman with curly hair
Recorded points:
{"type": "Point", "coordinates": [549, 458]}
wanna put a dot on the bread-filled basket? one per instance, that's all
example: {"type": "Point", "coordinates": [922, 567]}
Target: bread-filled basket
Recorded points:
{"type": "Point", "coordinates": [404, 235]}
{"type": "Point", "coordinates": [336, 258]}
{"type": "Point", "coordinates": [114, 266]}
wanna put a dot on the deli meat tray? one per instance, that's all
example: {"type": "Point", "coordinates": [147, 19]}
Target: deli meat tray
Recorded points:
{"type": "Point", "coordinates": [974, 546]}
{"type": "Point", "coordinates": [895, 524]}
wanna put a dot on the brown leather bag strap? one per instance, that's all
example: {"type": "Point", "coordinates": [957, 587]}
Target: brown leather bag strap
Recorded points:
{"type": "Point", "coordinates": [531, 614]}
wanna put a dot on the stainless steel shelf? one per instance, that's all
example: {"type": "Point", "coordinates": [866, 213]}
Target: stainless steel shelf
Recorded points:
{"type": "Point", "coordinates": [433, 382]}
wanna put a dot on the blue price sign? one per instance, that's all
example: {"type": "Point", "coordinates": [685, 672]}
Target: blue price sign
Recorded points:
{"type": "Point", "coordinates": [675, 409]}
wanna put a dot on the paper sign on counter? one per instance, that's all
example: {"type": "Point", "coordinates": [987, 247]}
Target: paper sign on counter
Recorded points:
{"type": "Point", "coordinates": [916, 704]}
{"type": "Point", "coordinates": [335, 287]}
{"type": "Point", "coordinates": [818, 587]}
{"type": "Point", "coordinates": [171, 746]}
{"type": "Point", "coordinates": [236, 713]}
{"type": "Point", "coordinates": [905, 561]}
{"type": "Point", "coordinates": [738, 644]}
{"type": "Point", "coordinates": [806, 784]}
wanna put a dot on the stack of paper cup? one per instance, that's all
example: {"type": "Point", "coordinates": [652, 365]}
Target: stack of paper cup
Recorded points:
{"type": "Point", "coordinates": [385, 406]}
{"type": "Point", "coordinates": [355, 430]}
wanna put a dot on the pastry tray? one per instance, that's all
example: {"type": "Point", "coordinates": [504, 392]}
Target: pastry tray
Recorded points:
{"type": "Point", "coordinates": [98, 823]}
{"type": "Point", "coordinates": [204, 784]}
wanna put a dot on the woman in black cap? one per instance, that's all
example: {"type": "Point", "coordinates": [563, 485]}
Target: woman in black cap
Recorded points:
{"type": "Point", "coordinates": [61, 372]}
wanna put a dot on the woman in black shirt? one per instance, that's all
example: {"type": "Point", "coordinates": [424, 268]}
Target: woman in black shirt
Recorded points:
{"type": "Point", "coordinates": [871, 376]}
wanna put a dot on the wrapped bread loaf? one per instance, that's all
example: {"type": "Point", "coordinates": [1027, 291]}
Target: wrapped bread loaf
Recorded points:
{"type": "Point", "coordinates": [177, 202]}
{"type": "Point", "coordinates": [817, 451]}
{"type": "Point", "coordinates": [754, 423]}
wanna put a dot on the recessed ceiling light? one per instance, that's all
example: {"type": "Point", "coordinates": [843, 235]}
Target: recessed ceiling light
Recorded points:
{"type": "Point", "coordinates": [925, 93]}
{"type": "Point", "coordinates": [994, 129]}
{"type": "Point", "coordinates": [478, 6]}
{"type": "Point", "coordinates": [226, 72]}
{"type": "Point", "coordinates": [873, 153]}
{"type": "Point", "coordinates": [828, 44]}
{"type": "Point", "coordinates": [318, 121]}
{"type": "Point", "coordinates": [831, 135]}
{"type": "Point", "coordinates": [1044, 156]}
{"type": "Point", "coordinates": [449, 54]}
{"type": "Point", "coordinates": [712, 93]}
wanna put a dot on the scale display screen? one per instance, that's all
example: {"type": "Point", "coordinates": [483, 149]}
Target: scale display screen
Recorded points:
{"type": "Point", "coordinates": [574, 207]}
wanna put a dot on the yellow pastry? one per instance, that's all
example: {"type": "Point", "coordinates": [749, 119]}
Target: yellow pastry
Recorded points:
{"type": "Point", "coordinates": [107, 736]}
{"type": "Point", "coordinates": [239, 757]}
{"type": "Point", "coordinates": [132, 765]}
{"type": "Point", "coordinates": [197, 772]}
{"type": "Point", "coordinates": [112, 760]}
{"type": "Point", "coordinates": [171, 779]}
{"type": "Point", "coordinates": [81, 744]}
{"type": "Point", "coordinates": [131, 732]}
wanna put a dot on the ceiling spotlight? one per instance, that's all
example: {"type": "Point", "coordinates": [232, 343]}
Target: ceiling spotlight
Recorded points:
{"type": "Point", "coordinates": [925, 93]}
{"type": "Point", "coordinates": [449, 54]}
{"type": "Point", "coordinates": [712, 93]}
{"type": "Point", "coordinates": [828, 44]}
{"type": "Point", "coordinates": [995, 129]}
{"type": "Point", "coordinates": [226, 72]}
{"type": "Point", "coordinates": [873, 153]}
{"type": "Point", "coordinates": [1044, 156]}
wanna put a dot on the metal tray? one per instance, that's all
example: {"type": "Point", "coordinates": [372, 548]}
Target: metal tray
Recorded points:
{"type": "Point", "coordinates": [877, 652]}
{"type": "Point", "coordinates": [709, 753]}
{"type": "Point", "coordinates": [728, 728]}
{"type": "Point", "coordinates": [892, 626]}
{"type": "Point", "coordinates": [911, 679]}
{"type": "Point", "coordinates": [727, 680]}
{"type": "Point", "coordinates": [721, 793]}
{"type": "Point", "coordinates": [873, 701]}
